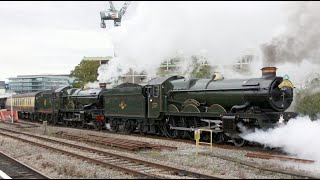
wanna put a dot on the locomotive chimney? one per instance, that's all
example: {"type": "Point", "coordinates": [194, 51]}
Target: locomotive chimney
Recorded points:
{"type": "Point", "coordinates": [103, 85]}
{"type": "Point", "coordinates": [269, 72]}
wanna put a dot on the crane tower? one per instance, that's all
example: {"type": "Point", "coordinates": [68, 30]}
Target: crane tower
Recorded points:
{"type": "Point", "coordinates": [113, 14]}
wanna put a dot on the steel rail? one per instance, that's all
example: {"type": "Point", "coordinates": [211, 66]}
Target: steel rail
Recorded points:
{"type": "Point", "coordinates": [18, 170]}
{"type": "Point", "coordinates": [177, 171]}
{"type": "Point", "coordinates": [267, 156]}
{"type": "Point", "coordinates": [256, 166]}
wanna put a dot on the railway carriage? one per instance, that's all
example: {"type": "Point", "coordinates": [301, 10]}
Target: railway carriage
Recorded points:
{"type": "Point", "coordinates": [29, 105]}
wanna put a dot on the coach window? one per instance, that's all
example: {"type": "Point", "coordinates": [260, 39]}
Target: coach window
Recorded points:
{"type": "Point", "coordinates": [155, 91]}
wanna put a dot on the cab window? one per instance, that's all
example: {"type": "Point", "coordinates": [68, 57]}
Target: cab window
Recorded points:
{"type": "Point", "coordinates": [156, 91]}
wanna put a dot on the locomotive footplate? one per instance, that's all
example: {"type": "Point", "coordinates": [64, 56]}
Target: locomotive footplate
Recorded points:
{"type": "Point", "coordinates": [192, 129]}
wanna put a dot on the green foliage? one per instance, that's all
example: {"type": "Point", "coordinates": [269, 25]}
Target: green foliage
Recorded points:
{"type": "Point", "coordinates": [86, 71]}
{"type": "Point", "coordinates": [308, 98]}
{"type": "Point", "coordinates": [163, 73]}
{"type": "Point", "coordinates": [308, 104]}
{"type": "Point", "coordinates": [201, 71]}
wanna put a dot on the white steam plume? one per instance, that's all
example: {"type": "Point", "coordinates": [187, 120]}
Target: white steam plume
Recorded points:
{"type": "Point", "coordinates": [160, 30]}
{"type": "Point", "coordinates": [299, 137]}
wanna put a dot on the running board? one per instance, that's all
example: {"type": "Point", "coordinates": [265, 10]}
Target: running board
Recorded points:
{"type": "Point", "coordinates": [192, 129]}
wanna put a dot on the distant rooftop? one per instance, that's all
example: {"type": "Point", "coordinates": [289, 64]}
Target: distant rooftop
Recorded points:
{"type": "Point", "coordinates": [103, 58]}
{"type": "Point", "coordinates": [40, 75]}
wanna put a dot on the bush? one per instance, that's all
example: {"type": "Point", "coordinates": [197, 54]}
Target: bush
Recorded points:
{"type": "Point", "coordinates": [308, 104]}
{"type": "Point", "coordinates": [308, 98]}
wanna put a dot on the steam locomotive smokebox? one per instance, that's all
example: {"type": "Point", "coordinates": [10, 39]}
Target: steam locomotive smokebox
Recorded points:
{"type": "Point", "coordinates": [269, 72]}
{"type": "Point", "coordinates": [103, 85]}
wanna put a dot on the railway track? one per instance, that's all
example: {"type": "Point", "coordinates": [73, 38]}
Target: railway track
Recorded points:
{"type": "Point", "coordinates": [268, 156]}
{"type": "Point", "coordinates": [23, 125]}
{"type": "Point", "coordinates": [17, 170]}
{"type": "Point", "coordinates": [120, 143]}
{"type": "Point", "coordinates": [116, 142]}
{"type": "Point", "coordinates": [253, 148]}
{"type": "Point", "coordinates": [122, 163]}
{"type": "Point", "coordinates": [270, 169]}
{"type": "Point", "coordinates": [226, 146]}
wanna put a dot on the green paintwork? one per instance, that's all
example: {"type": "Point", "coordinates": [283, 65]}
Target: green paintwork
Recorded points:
{"type": "Point", "coordinates": [158, 105]}
{"type": "Point", "coordinates": [226, 93]}
{"type": "Point", "coordinates": [44, 102]}
{"type": "Point", "coordinates": [190, 108]}
{"type": "Point", "coordinates": [125, 102]}
{"type": "Point", "coordinates": [155, 105]}
{"type": "Point", "coordinates": [216, 108]}
{"type": "Point", "coordinates": [173, 108]}
{"type": "Point", "coordinates": [191, 101]}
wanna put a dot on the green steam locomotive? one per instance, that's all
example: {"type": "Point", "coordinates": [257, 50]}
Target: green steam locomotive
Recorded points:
{"type": "Point", "coordinates": [176, 106]}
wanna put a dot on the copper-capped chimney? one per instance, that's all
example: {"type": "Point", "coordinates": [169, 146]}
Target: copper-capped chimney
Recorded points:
{"type": "Point", "coordinates": [269, 72]}
{"type": "Point", "coordinates": [103, 85]}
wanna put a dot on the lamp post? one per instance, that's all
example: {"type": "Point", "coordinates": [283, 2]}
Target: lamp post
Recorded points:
{"type": "Point", "coordinates": [11, 110]}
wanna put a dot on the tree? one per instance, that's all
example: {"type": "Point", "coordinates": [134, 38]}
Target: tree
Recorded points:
{"type": "Point", "coordinates": [201, 69]}
{"type": "Point", "coordinates": [86, 71]}
{"type": "Point", "coordinates": [308, 98]}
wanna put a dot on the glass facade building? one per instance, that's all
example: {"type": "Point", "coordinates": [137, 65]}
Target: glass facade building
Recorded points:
{"type": "Point", "coordinates": [33, 83]}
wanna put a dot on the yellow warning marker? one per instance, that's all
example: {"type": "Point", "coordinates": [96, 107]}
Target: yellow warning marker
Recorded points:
{"type": "Point", "coordinates": [197, 134]}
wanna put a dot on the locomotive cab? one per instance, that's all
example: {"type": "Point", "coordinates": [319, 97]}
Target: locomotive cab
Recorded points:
{"type": "Point", "coordinates": [157, 95]}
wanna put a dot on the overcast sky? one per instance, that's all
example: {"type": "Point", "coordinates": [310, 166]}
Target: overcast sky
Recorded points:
{"type": "Point", "coordinates": [50, 37]}
{"type": "Point", "coordinates": [53, 37]}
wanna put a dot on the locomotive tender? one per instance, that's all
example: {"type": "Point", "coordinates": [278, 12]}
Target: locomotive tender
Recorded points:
{"type": "Point", "coordinates": [169, 106]}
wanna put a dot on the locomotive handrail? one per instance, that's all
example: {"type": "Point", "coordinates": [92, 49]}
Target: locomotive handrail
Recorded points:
{"type": "Point", "coordinates": [237, 107]}
{"type": "Point", "coordinates": [188, 90]}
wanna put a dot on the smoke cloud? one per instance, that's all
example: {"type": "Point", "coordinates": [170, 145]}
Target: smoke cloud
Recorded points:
{"type": "Point", "coordinates": [220, 31]}
{"type": "Point", "coordinates": [297, 138]}
{"type": "Point", "coordinates": [301, 39]}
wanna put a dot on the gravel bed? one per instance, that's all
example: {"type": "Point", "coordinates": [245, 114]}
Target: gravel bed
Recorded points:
{"type": "Point", "coordinates": [55, 165]}
{"type": "Point", "coordinates": [185, 157]}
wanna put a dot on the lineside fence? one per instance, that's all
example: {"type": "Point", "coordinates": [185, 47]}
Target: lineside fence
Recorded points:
{"type": "Point", "coordinates": [8, 116]}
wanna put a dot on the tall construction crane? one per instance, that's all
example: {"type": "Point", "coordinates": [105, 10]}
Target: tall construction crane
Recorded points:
{"type": "Point", "coordinates": [113, 14]}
